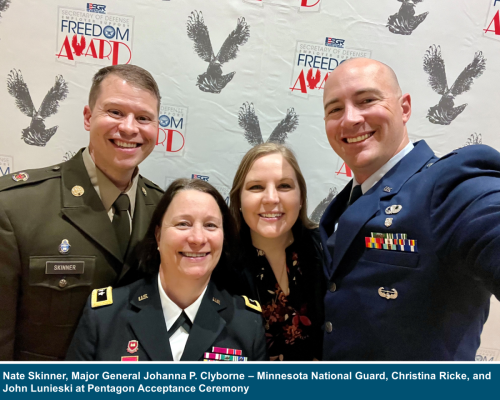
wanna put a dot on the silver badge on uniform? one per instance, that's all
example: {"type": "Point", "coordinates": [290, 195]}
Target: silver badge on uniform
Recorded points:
{"type": "Point", "coordinates": [64, 246]}
{"type": "Point", "coordinates": [393, 209]}
{"type": "Point", "coordinates": [388, 222]}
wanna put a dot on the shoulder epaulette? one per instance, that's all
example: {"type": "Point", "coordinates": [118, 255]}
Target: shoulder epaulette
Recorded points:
{"type": "Point", "coordinates": [253, 304]}
{"type": "Point", "coordinates": [102, 297]}
{"type": "Point", "coordinates": [152, 184]}
{"type": "Point", "coordinates": [28, 177]}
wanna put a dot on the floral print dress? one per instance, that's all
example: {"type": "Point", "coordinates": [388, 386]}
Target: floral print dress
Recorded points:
{"type": "Point", "coordinates": [292, 333]}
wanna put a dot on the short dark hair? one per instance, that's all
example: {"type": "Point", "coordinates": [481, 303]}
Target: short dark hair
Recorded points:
{"type": "Point", "coordinates": [134, 75]}
{"type": "Point", "coordinates": [149, 256]}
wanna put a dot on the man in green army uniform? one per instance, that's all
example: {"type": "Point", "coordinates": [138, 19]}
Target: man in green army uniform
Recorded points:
{"type": "Point", "coordinates": [70, 228]}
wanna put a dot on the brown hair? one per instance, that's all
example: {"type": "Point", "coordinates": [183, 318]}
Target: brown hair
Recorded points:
{"type": "Point", "coordinates": [134, 75]}
{"type": "Point", "coordinates": [246, 164]}
{"type": "Point", "coordinates": [149, 255]}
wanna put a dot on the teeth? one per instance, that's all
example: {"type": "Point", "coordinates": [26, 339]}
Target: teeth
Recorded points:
{"type": "Point", "coordinates": [359, 138]}
{"type": "Point", "coordinates": [194, 254]}
{"type": "Point", "coordinates": [125, 144]}
{"type": "Point", "coordinates": [274, 215]}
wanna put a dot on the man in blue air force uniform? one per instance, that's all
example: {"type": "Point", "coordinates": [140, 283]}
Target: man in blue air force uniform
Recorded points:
{"type": "Point", "coordinates": [413, 241]}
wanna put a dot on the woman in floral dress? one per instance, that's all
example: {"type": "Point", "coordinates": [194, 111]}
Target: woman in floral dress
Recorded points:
{"type": "Point", "coordinates": [280, 254]}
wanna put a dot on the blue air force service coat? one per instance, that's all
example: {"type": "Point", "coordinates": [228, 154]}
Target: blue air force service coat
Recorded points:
{"type": "Point", "coordinates": [44, 282]}
{"type": "Point", "coordinates": [136, 316]}
{"type": "Point", "coordinates": [429, 299]}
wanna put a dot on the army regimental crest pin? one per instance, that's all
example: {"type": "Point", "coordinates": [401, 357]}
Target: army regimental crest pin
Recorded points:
{"type": "Point", "coordinates": [64, 246]}
{"type": "Point", "coordinates": [133, 346]}
{"type": "Point", "coordinates": [20, 177]}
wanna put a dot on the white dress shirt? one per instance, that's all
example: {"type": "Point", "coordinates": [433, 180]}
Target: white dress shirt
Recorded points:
{"type": "Point", "coordinates": [171, 312]}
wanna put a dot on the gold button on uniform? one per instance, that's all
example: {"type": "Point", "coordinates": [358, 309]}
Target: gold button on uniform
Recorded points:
{"type": "Point", "coordinates": [328, 327]}
{"type": "Point", "coordinates": [333, 287]}
{"type": "Point", "coordinates": [77, 191]}
{"type": "Point", "coordinates": [63, 283]}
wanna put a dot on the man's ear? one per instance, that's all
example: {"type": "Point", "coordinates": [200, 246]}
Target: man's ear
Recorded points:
{"type": "Point", "coordinates": [87, 114]}
{"type": "Point", "coordinates": [406, 107]}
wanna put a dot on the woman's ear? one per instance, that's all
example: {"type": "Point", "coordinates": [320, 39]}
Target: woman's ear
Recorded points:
{"type": "Point", "coordinates": [158, 236]}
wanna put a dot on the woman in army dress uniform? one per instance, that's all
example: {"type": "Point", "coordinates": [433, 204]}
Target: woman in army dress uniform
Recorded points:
{"type": "Point", "coordinates": [179, 312]}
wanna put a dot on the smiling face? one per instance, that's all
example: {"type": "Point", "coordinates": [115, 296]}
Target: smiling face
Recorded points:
{"type": "Point", "coordinates": [270, 198]}
{"type": "Point", "coordinates": [123, 126]}
{"type": "Point", "coordinates": [191, 237]}
{"type": "Point", "coordinates": [365, 115]}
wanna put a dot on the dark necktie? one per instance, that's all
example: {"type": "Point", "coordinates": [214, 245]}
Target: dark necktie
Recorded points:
{"type": "Point", "coordinates": [121, 222]}
{"type": "Point", "coordinates": [183, 321]}
{"type": "Point", "coordinates": [355, 194]}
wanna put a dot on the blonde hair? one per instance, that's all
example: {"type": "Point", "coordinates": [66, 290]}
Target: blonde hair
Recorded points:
{"type": "Point", "coordinates": [262, 150]}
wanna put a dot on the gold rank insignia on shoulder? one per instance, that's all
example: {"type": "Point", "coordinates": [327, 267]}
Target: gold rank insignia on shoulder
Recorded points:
{"type": "Point", "coordinates": [102, 297]}
{"type": "Point", "coordinates": [253, 304]}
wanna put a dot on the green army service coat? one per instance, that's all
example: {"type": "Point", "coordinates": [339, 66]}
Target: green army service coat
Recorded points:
{"type": "Point", "coordinates": [43, 285]}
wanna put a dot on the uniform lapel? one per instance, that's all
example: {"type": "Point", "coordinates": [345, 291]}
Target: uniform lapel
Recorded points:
{"type": "Point", "coordinates": [144, 208]}
{"type": "Point", "coordinates": [330, 218]}
{"type": "Point", "coordinates": [148, 323]}
{"type": "Point", "coordinates": [357, 215]}
{"type": "Point", "coordinates": [207, 325]}
{"type": "Point", "coordinates": [86, 211]}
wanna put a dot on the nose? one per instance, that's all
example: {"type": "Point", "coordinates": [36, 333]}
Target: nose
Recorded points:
{"type": "Point", "coordinates": [197, 235]}
{"type": "Point", "coordinates": [128, 125]}
{"type": "Point", "coordinates": [352, 116]}
{"type": "Point", "coordinates": [271, 196]}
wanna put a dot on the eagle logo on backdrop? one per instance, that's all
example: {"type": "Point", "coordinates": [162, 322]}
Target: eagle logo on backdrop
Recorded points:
{"type": "Point", "coordinates": [36, 134]}
{"type": "Point", "coordinates": [321, 207]}
{"type": "Point", "coordinates": [444, 112]}
{"type": "Point", "coordinates": [404, 22]}
{"type": "Point", "coordinates": [69, 155]}
{"type": "Point", "coordinates": [475, 138]}
{"type": "Point", "coordinates": [249, 121]}
{"type": "Point", "coordinates": [4, 4]}
{"type": "Point", "coordinates": [212, 80]}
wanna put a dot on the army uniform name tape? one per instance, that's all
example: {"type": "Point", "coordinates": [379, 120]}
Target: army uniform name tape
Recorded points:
{"type": "Point", "coordinates": [223, 350]}
{"type": "Point", "coordinates": [224, 357]}
{"type": "Point", "coordinates": [64, 268]}
{"type": "Point", "coordinates": [391, 244]}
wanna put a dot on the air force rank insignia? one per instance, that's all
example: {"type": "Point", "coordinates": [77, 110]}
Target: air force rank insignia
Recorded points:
{"type": "Point", "coordinates": [253, 304]}
{"type": "Point", "coordinates": [102, 297]}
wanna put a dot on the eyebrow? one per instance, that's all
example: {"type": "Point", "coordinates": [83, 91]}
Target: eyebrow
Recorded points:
{"type": "Point", "coordinates": [188, 216]}
{"type": "Point", "coordinates": [357, 93]}
{"type": "Point", "coordinates": [120, 103]}
{"type": "Point", "coordinates": [260, 180]}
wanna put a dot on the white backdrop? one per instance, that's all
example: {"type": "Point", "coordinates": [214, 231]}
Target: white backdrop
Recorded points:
{"type": "Point", "coordinates": [285, 50]}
